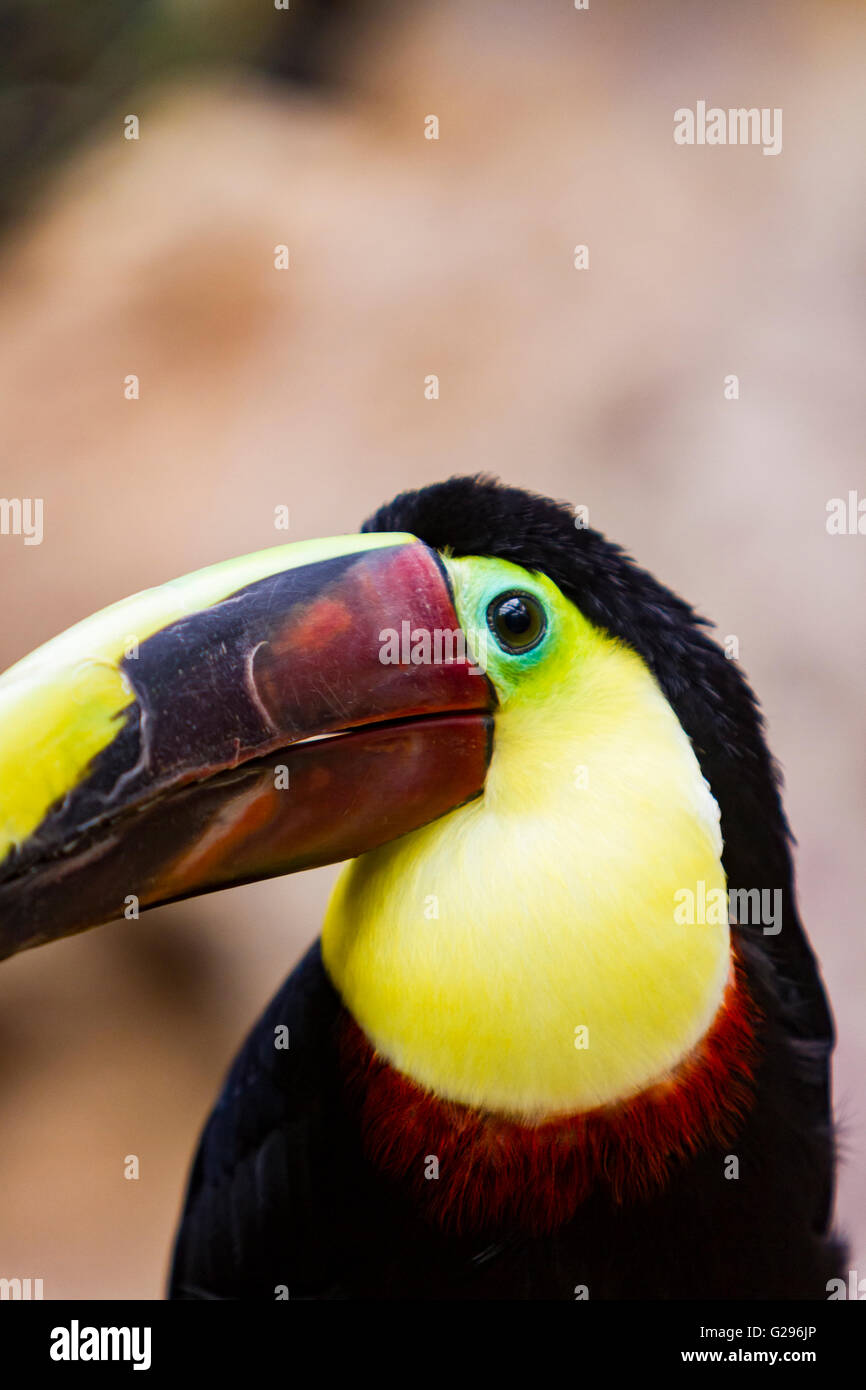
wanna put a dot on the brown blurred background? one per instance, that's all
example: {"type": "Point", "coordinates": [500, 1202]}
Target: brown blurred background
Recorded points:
{"type": "Point", "coordinates": [306, 388]}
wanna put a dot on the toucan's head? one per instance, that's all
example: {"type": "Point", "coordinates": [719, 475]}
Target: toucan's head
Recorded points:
{"type": "Point", "coordinates": [522, 743]}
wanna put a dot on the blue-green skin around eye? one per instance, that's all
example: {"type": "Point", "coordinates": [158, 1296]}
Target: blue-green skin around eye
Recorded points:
{"type": "Point", "coordinates": [531, 655]}
{"type": "Point", "coordinates": [479, 581]}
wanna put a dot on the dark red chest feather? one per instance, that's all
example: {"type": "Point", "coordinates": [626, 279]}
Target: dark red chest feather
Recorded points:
{"type": "Point", "coordinates": [468, 1170]}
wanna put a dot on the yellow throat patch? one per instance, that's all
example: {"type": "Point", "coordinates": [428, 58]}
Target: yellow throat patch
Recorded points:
{"type": "Point", "coordinates": [523, 953]}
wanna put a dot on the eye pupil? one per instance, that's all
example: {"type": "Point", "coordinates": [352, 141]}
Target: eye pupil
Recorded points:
{"type": "Point", "coordinates": [517, 621]}
{"type": "Point", "coordinates": [515, 616]}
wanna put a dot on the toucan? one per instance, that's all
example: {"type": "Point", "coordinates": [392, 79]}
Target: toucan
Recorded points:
{"type": "Point", "coordinates": [562, 1035]}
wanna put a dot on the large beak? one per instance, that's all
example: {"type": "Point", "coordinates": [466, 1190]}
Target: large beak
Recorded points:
{"type": "Point", "coordinates": [261, 716]}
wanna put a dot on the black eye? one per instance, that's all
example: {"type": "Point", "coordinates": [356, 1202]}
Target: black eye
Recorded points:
{"type": "Point", "coordinates": [517, 621]}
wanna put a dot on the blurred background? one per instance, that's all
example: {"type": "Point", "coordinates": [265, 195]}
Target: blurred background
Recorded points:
{"type": "Point", "coordinates": [305, 388]}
